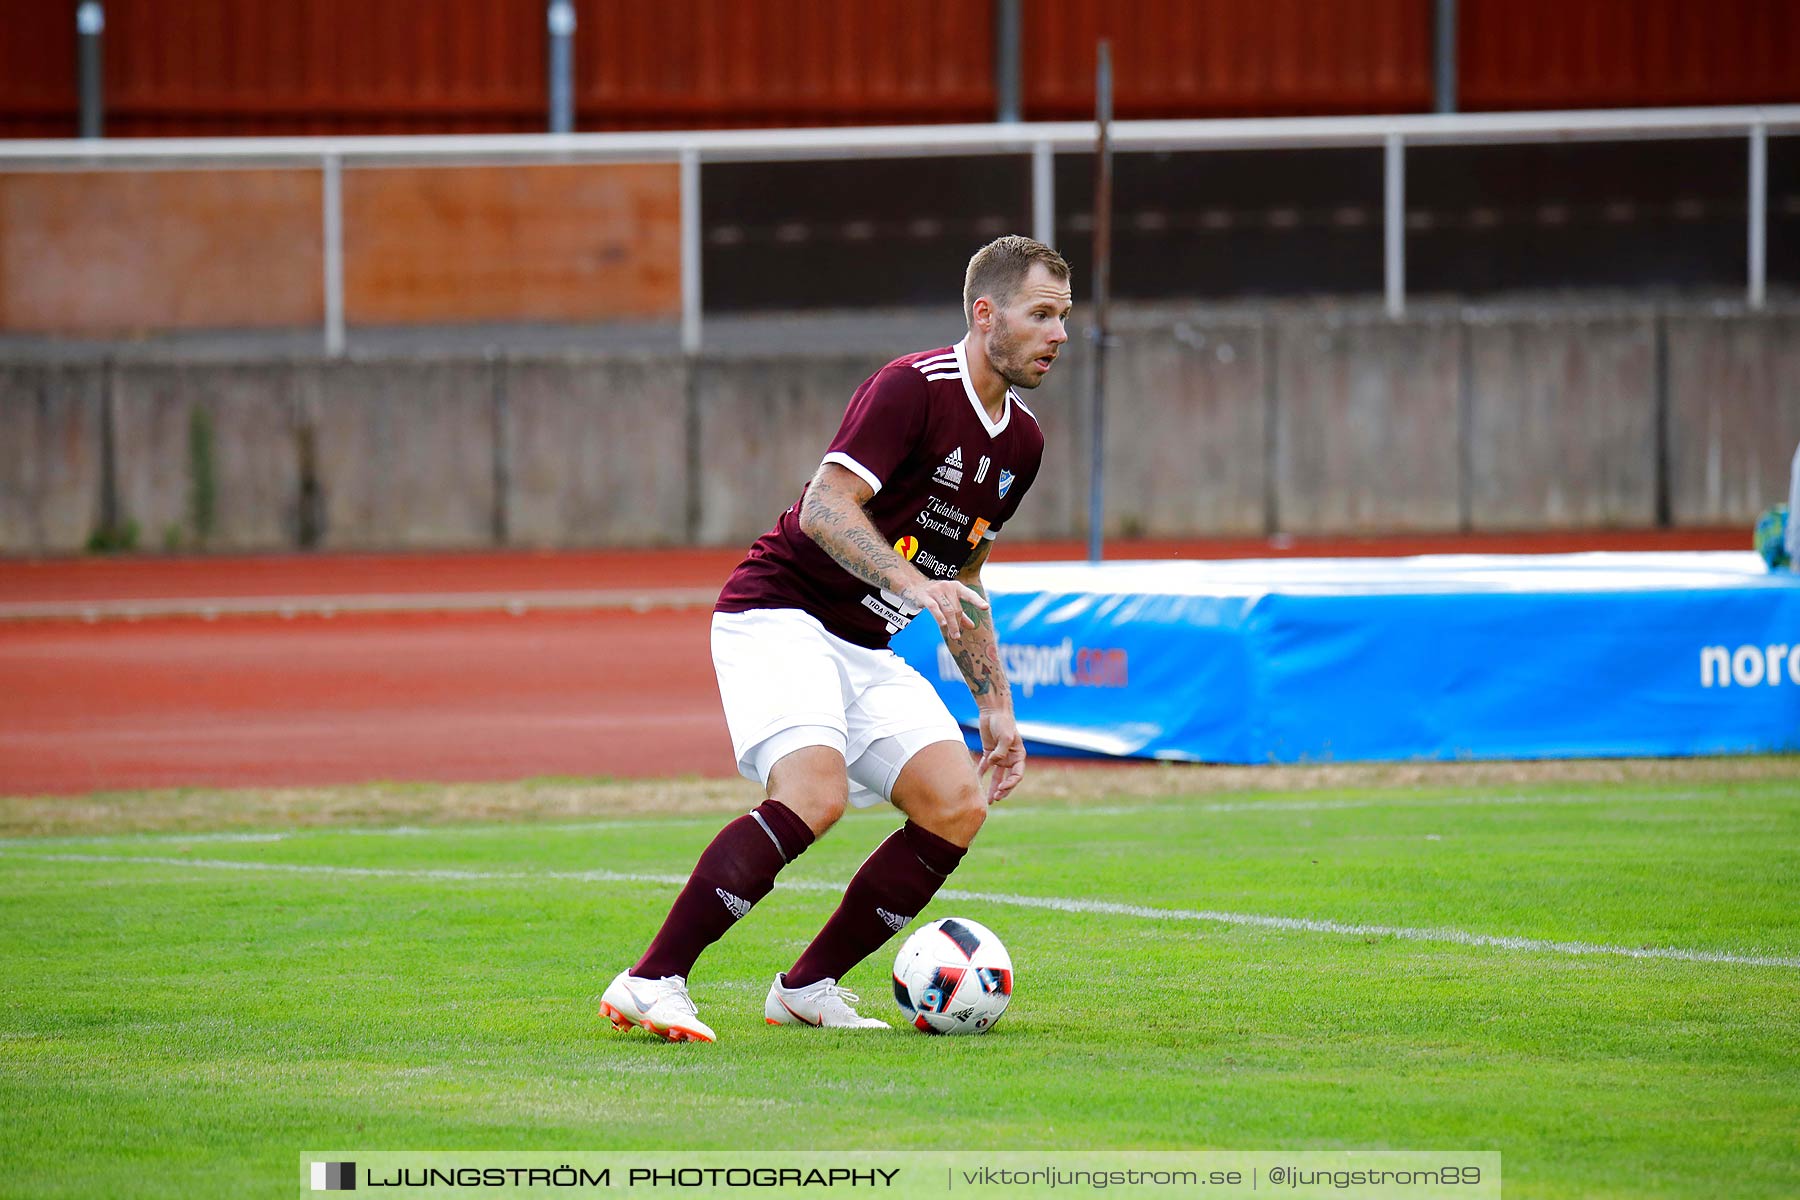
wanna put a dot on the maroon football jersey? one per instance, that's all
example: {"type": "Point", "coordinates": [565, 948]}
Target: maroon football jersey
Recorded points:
{"type": "Point", "coordinates": [944, 475]}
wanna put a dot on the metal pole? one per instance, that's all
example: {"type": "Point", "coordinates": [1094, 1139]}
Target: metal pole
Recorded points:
{"type": "Point", "coordinates": [1443, 58]}
{"type": "Point", "coordinates": [690, 251]}
{"type": "Point", "coordinates": [334, 255]}
{"type": "Point", "coordinates": [561, 16]}
{"type": "Point", "coordinates": [1394, 228]}
{"type": "Point", "coordinates": [1043, 193]}
{"type": "Point", "coordinates": [90, 64]}
{"type": "Point", "coordinates": [1759, 216]}
{"type": "Point", "coordinates": [1006, 61]}
{"type": "Point", "coordinates": [1102, 286]}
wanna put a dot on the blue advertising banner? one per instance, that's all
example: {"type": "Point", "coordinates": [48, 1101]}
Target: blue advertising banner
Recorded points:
{"type": "Point", "coordinates": [1436, 657]}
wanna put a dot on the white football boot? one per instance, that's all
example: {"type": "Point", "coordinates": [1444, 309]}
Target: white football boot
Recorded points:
{"type": "Point", "coordinates": [823, 1003]}
{"type": "Point", "coordinates": [660, 1005]}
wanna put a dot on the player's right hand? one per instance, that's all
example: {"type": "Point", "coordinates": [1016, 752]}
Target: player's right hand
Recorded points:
{"type": "Point", "coordinates": [944, 600]}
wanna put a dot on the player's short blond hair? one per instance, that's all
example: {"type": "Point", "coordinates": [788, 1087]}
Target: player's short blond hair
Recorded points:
{"type": "Point", "coordinates": [999, 267]}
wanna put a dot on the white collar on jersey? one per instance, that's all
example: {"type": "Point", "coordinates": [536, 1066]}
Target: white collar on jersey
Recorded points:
{"type": "Point", "coordinates": [994, 428]}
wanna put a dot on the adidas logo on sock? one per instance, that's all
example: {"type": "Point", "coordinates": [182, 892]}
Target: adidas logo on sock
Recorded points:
{"type": "Point", "coordinates": [893, 921]}
{"type": "Point", "coordinates": [737, 904]}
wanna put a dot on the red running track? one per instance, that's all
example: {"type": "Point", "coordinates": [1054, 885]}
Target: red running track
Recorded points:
{"type": "Point", "coordinates": [263, 701]}
{"type": "Point", "coordinates": [267, 702]}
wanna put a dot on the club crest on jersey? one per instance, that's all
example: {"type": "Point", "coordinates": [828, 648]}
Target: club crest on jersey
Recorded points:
{"type": "Point", "coordinates": [1006, 478]}
{"type": "Point", "coordinates": [950, 471]}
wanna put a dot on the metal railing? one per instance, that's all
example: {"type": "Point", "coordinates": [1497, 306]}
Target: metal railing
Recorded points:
{"type": "Point", "coordinates": [1041, 142]}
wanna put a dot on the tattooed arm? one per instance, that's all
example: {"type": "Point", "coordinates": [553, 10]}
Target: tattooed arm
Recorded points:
{"type": "Point", "coordinates": [832, 515]}
{"type": "Point", "coordinates": [1003, 750]}
{"type": "Point", "coordinates": [979, 654]}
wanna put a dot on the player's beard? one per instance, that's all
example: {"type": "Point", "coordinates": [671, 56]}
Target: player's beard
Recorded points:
{"type": "Point", "coordinates": [1008, 358]}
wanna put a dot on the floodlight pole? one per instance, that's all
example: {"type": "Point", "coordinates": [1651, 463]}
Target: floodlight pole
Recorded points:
{"type": "Point", "coordinates": [90, 62]}
{"type": "Point", "coordinates": [1443, 57]}
{"type": "Point", "coordinates": [1006, 61]}
{"type": "Point", "coordinates": [560, 16]}
{"type": "Point", "coordinates": [1102, 286]}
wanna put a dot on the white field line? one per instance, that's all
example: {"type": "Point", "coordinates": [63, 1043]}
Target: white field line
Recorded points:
{"type": "Point", "coordinates": [715, 820]}
{"type": "Point", "coordinates": [1287, 806]}
{"type": "Point", "coordinates": [1455, 937]}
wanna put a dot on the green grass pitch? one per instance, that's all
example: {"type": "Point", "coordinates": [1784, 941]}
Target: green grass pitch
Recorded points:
{"type": "Point", "coordinates": [181, 1014]}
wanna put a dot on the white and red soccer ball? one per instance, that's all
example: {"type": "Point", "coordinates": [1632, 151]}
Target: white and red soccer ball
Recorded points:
{"type": "Point", "coordinates": [953, 976]}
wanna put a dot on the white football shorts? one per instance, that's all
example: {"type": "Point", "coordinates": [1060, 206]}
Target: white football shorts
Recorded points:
{"type": "Point", "coordinates": [787, 683]}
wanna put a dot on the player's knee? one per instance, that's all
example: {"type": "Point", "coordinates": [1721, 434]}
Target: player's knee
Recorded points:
{"type": "Point", "coordinates": [819, 804]}
{"type": "Point", "coordinates": [811, 782]}
{"type": "Point", "coordinates": [832, 806]}
{"type": "Point", "coordinates": [963, 811]}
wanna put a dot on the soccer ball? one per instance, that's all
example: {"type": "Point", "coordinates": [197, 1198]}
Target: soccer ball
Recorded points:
{"type": "Point", "coordinates": [953, 976]}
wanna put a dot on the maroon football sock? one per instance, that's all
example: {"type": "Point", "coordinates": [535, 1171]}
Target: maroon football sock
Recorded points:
{"type": "Point", "coordinates": [893, 886]}
{"type": "Point", "coordinates": [735, 871]}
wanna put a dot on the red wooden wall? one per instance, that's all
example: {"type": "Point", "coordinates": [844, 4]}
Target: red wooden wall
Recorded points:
{"type": "Point", "coordinates": [695, 64]}
{"type": "Point", "coordinates": [37, 69]}
{"type": "Point", "coordinates": [1180, 58]}
{"type": "Point", "coordinates": [1628, 53]}
{"type": "Point", "coordinates": [200, 67]}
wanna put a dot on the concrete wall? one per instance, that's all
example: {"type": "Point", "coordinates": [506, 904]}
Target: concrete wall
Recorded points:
{"type": "Point", "coordinates": [1186, 439]}
{"type": "Point", "coordinates": [762, 426]}
{"type": "Point", "coordinates": [405, 452]}
{"type": "Point", "coordinates": [51, 456]}
{"type": "Point", "coordinates": [1562, 423]}
{"type": "Point", "coordinates": [1217, 423]}
{"type": "Point", "coordinates": [594, 451]}
{"type": "Point", "coordinates": [1367, 426]}
{"type": "Point", "coordinates": [177, 427]}
{"type": "Point", "coordinates": [1733, 415]}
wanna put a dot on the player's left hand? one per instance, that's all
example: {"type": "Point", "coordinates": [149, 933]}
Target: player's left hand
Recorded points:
{"type": "Point", "coordinates": [1003, 753]}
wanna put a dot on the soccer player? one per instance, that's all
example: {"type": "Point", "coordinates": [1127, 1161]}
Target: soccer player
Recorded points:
{"type": "Point", "coordinates": [933, 457]}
